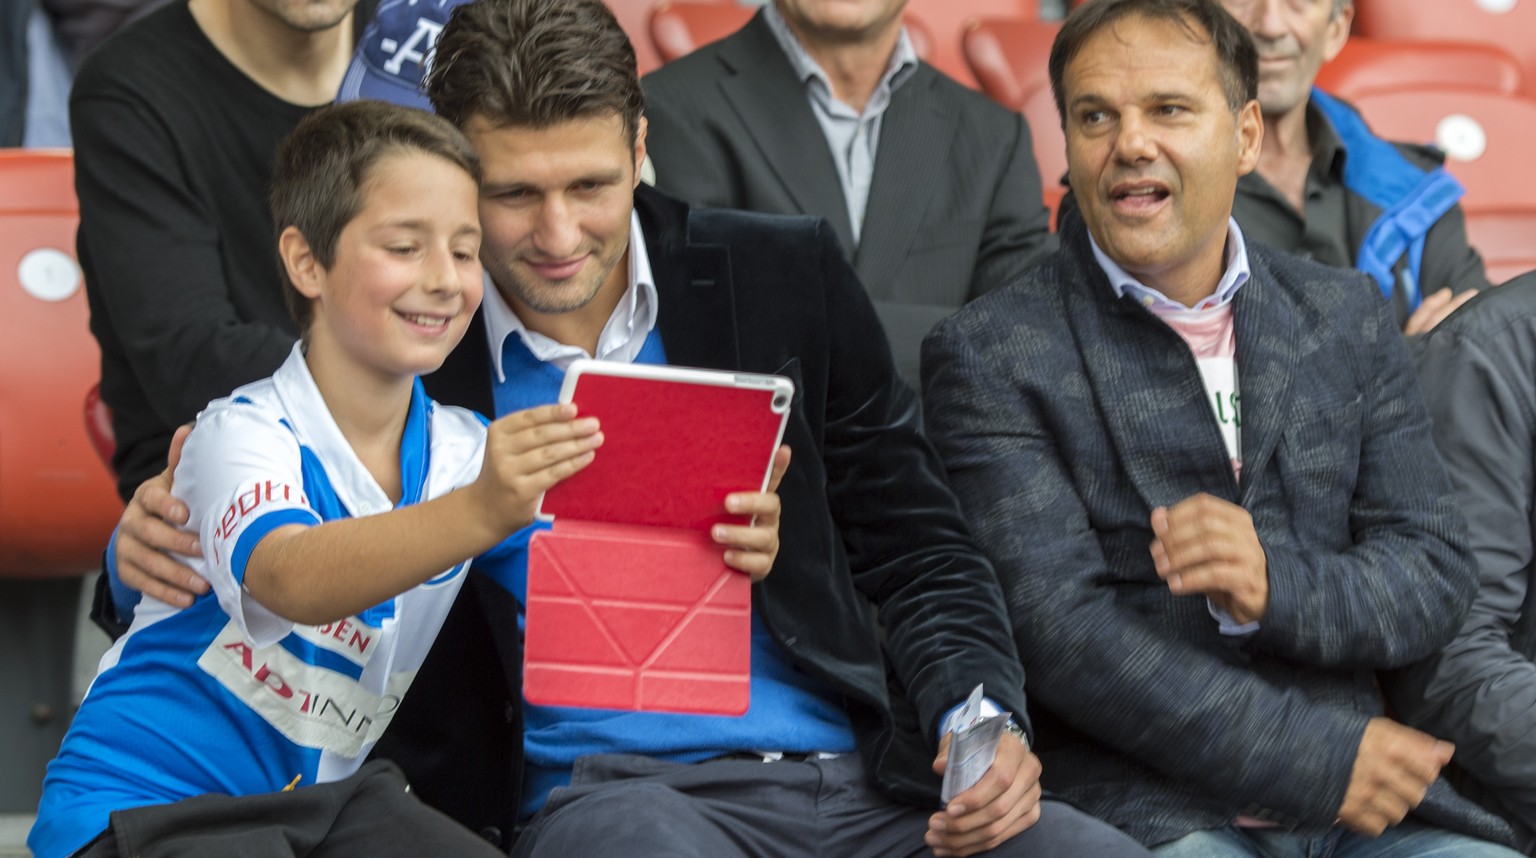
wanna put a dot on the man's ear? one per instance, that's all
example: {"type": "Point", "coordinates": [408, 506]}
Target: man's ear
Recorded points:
{"type": "Point", "coordinates": [1250, 137]}
{"type": "Point", "coordinates": [1338, 32]}
{"type": "Point", "coordinates": [304, 270]}
{"type": "Point", "coordinates": [639, 150]}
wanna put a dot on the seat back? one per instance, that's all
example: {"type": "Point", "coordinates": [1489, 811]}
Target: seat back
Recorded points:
{"type": "Point", "coordinates": [98, 426]}
{"type": "Point", "coordinates": [1506, 240]}
{"type": "Point", "coordinates": [1484, 135]}
{"type": "Point", "coordinates": [57, 504]}
{"type": "Point", "coordinates": [1372, 65]}
{"type": "Point", "coordinates": [1509, 24]}
{"type": "Point", "coordinates": [679, 27]}
{"type": "Point", "coordinates": [635, 17]}
{"type": "Point", "coordinates": [1050, 144]}
{"type": "Point", "coordinates": [1008, 57]}
{"type": "Point", "coordinates": [948, 21]}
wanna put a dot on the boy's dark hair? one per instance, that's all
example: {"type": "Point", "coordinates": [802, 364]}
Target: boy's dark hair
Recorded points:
{"type": "Point", "coordinates": [534, 64]}
{"type": "Point", "coordinates": [322, 170]}
{"type": "Point", "coordinates": [1204, 21]}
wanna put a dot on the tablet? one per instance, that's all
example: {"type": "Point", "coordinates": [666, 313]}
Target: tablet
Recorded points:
{"type": "Point", "coordinates": [630, 604]}
{"type": "Point", "coordinates": [676, 441]}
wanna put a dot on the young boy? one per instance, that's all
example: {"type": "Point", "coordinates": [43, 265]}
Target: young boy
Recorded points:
{"type": "Point", "coordinates": [291, 672]}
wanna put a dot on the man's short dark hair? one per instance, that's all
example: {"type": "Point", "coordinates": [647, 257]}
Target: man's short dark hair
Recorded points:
{"type": "Point", "coordinates": [1204, 21]}
{"type": "Point", "coordinates": [322, 171]}
{"type": "Point", "coordinates": [534, 64]}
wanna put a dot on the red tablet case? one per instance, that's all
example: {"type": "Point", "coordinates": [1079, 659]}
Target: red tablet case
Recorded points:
{"type": "Point", "coordinates": [630, 604]}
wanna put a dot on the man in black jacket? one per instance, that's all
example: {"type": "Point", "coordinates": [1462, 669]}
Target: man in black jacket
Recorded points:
{"type": "Point", "coordinates": [584, 264]}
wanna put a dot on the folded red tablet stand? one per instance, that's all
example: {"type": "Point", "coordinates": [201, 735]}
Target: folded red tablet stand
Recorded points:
{"type": "Point", "coordinates": [630, 604]}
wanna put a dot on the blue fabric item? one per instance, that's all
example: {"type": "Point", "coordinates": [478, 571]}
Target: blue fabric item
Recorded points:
{"type": "Point", "coordinates": [790, 710]}
{"type": "Point", "coordinates": [48, 81]}
{"type": "Point", "coordinates": [391, 57]}
{"type": "Point", "coordinates": [1411, 199]}
{"type": "Point", "coordinates": [124, 598]}
{"type": "Point", "coordinates": [118, 753]}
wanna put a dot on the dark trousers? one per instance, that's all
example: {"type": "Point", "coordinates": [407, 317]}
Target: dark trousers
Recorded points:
{"type": "Point", "coordinates": [630, 805]}
{"type": "Point", "coordinates": [369, 814]}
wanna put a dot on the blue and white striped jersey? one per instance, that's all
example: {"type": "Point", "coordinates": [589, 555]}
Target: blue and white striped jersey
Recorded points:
{"type": "Point", "coordinates": [225, 696]}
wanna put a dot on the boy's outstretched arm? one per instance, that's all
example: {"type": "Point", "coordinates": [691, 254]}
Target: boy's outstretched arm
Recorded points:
{"type": "Point", "coordinates": [317, 574]}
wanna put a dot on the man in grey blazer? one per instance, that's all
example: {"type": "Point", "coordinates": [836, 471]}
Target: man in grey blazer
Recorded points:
{"type": "Point", "coordinates": [1204, 474]}
{"type": "Point", "coordinates": [821, 107]}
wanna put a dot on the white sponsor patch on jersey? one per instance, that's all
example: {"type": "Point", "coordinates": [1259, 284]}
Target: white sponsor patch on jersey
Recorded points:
{"type": "Point", "coordinates": [311, 706]}
{"type": "Point", "coordinates": [348, 638]}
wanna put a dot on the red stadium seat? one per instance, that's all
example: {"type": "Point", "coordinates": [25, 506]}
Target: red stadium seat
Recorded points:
{"type": "Point", "coordinates": [57, 504]}
{"type": "Point", "coordinates": [635, 17]}
{"type": "Point", "coordinates": [1484, 136]}
{"type": "Point", "coordinates": [1372, 65]}
{"type": "Point", "coordinates": [98, 425]}
{"type": "Point", "coordinates": [679, 27]}
{"type": "Point", "coordinates": [1506, 240]}
{"type": "Point", "coordinates": [948, 21]}
{"type": "Point", "coordinates": [1510, 24]}
{"type": "Point", "coordinates": [1050, 144]}
{"type": "Point", "coordinates": [1008, 57]}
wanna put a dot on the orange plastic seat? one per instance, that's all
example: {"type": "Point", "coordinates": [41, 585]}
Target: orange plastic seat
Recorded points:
{"type": "Point", "coordinates": [1008, 57]}
{"type": "Point", "coordinates": [635, 17]}
{"type": "Point", "coordinates": [98, 426]}
{"type": "Point", "coordinates": [1506, 240]}
{"type": "Point", "coordinates": [1485, 137]}
{"type": "Point", "coordinates": [1050, 144]}
{"type": "Point", "coordinates": [948, 21]}
{"type": "Point", "coordinates": [680, 27]}
{"type": "Point", "coordinates": [57, 504]}
{"type": "Point", "coordinates": [1509, 24]}
{"type": "Point", "coordinates": [1374, 65]}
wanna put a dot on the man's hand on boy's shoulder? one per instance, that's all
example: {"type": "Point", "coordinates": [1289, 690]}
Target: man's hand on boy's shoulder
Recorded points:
{"type": "Point", "coordinates": [149, 533]}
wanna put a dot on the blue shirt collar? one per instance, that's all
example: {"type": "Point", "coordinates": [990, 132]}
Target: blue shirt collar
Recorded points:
{"type": "Point", "coordinates": [1236, 274]}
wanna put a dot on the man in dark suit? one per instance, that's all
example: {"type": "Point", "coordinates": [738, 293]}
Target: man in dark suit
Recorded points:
{"type": "Point", "coordinates": [1204, 473]}
{"type": "Point", "coordinates": [582, 263]}
{"type": "Point", "coordinates": [821, 107]}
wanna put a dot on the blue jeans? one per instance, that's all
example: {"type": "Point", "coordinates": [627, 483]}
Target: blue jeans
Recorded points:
{"type": "Point", "coordinates": [1411, 839]}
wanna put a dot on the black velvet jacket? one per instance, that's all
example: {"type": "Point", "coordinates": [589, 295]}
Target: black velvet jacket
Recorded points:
{"type": "Point", "coordinates": [870, 533]}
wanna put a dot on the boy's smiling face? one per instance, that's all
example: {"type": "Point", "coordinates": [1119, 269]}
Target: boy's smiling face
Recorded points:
{"type": "Point", "coordinates": [406, 276]}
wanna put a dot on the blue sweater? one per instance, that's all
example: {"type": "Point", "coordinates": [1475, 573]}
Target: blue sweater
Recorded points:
{"type": "Point", "coordinates": [790, 711]}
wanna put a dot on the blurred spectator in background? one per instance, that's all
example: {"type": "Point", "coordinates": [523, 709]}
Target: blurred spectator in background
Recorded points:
{"type": "Point", "coordinates": [175, 121]}
{"type": "Point", "coordinates": [823, 108]}
{"type": "Point", "coordinates": [1330, 190]}
{"type": "Point", "coordinates": [42, 42]}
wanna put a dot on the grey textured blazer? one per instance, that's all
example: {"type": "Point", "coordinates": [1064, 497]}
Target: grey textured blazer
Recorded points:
{"type": "Point", "coordinates": [954, 205]}
{"type": "Point", "coordinates": [1478, 369]}
{"type": "Point", "coordinates": [1065, 415]}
